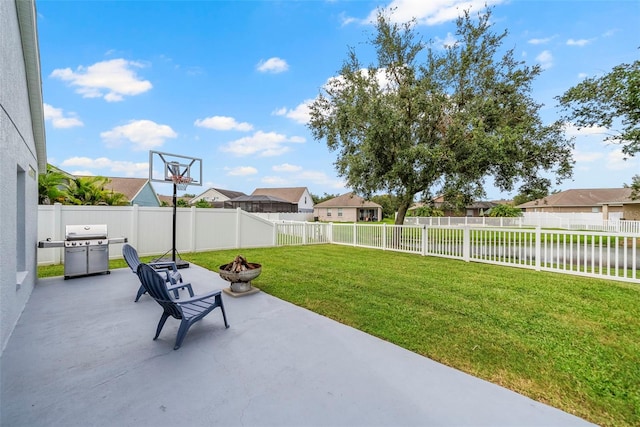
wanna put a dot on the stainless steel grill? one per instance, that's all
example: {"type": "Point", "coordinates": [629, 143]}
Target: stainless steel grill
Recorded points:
{"type": "Point", "coordinates": [86, 249]}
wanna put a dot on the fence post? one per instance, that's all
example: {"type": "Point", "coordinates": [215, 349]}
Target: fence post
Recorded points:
{"type": "Point", "coordinates": [238, 219]}
{"type": "Point", "coordinates": [304, 233]}
{"type": "Point", "coordinates": [276, 226]}
{"type": "Point", "coordinates": [424, 240]}
{"type": "Point", "coordinates": [466, 243]}
{"type": "Point", "coordinates": [384, 236]}
{"type": "Point", "coordinates": [193, 229]}
{"type": "Point", "coordinates": [133, 225]}
{"type": "Point", "coordinates": [355, 232]}
{"type": "Point", "coordinates": [57, 230]}
{"type": "Point", "coordinates": [538, 247]}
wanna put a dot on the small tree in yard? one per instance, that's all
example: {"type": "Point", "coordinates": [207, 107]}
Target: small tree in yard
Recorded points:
{"type": "Point", "coordinates": [427, 121]}
{"type": "Point", "coordinates": [505, 211]}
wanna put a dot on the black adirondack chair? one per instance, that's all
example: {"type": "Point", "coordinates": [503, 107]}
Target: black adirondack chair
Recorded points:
{"type": "Point", "coordinates": [188, 311]}
{"type": "Point", "coordinates": [172, 276]}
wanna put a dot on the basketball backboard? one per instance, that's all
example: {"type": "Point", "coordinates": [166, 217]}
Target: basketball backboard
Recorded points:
{"type": "Point", "coordinates": [163, 166]}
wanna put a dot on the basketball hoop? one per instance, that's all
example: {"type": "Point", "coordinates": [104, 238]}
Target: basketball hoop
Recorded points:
{"type": "Point", "coordinates": [181, 182]}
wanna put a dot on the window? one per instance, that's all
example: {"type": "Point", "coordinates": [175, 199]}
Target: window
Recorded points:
{"type": "Point", "coordinates": [595, 209]}
{"type": "Point", "coordinates": [339, 211]}
{"type": "Point", "coordinates": [328, 212]}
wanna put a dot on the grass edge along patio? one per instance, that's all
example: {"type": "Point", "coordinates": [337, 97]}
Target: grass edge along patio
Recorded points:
{"type": "Point", "coordinates": [571, 342]}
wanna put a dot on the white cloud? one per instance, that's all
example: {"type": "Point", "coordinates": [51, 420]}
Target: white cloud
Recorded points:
{"type": "Point", "coordinates": [587, 156]}
{"type": "Point", "coordinates": [114, 167]}
{"type": "Point", "coordinates": [286, 167]}
{"type": "Point", "coordinates": [346, 20]}
{"type": "Point", "coordinates": [223, 123]}
{"type": "Point", "coordinates": [448, 41]}
{"type": "Point", "coordinates": [58, 119]}
{"type": "Point", "coordinates": [241, 171]}
{"type": "Point", "coordinates": [144, 134]}
{"type": "Point", "coordinates": [582, 76]}
{"type": "Point", "coordinates": [545, 59]}
{"type": "Point", "coordinates": [540, 41]}
{"type": "Point", "coordinates": [273, 65]}
{"type": "Point", "coordinates": [616, 161]}
{"type": "Point", "coordinates": [580, 42]}
{"type": "Point", "coordinates": [571, 130]}
{"type": "Point", "coordinates": [264, 144]}
{"type": "Point", "coordinates": [275, 181]}
{"type": "Point", "coordinates": [111, 79]}
{"type": "Point", "coordinates": [299, 114]}
{"type": "Point", "coordinates": [431, 12]}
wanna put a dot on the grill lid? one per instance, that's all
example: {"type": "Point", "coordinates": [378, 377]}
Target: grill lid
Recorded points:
{"type": "Point", "coordinates": [84, 232]}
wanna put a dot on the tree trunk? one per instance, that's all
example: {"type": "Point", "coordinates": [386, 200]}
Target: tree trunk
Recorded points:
{"type": "Point", "coordinates": [403, 206]}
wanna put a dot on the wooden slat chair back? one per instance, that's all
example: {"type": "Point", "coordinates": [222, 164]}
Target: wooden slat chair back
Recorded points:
{"type": "Point", "coordinates": [172, 275]}
{"type": "Point", "coordinates": [188, 311]}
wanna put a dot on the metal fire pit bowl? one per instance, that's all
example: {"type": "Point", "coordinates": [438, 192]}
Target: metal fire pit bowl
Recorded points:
{"type": "Point", "coordinates": [240, 281]}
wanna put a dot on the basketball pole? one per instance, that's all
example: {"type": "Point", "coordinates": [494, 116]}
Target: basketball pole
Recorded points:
{"type": "Point", "coordinates": [175, 199]}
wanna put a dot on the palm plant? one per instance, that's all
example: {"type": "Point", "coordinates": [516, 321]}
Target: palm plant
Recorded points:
{"type": "Point", "coordinates": [88, 190]}
{"type": "Point", "coordinates": [52, 187]}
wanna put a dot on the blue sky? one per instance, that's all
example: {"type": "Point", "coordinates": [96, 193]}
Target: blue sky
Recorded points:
{"type": "Point", "coordinates": [228, 81]}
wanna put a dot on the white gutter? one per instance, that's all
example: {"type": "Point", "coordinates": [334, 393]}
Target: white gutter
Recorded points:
{"type": "Point", "coordinates": [26, 10]}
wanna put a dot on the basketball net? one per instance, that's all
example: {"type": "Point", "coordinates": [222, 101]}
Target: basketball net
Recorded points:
{"type": "Point", "coordinates": [181, 182]}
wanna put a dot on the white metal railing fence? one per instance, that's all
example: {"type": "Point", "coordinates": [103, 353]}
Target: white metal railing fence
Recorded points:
{"type": "Point", "coordinates": [575, 221]}
{"type": "Point", "coordinates": [586, 253]}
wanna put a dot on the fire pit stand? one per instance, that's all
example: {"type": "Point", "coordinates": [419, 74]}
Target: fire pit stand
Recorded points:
{"type": "Point", "coordinates": [240, 280]}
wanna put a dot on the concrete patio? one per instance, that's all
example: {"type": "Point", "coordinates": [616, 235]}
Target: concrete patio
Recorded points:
{"type": "Point", "coordinates": [82, 355]}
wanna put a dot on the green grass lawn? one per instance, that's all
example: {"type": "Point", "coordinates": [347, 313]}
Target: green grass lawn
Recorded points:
{"type": "Point", "coordinates": [571, 342]}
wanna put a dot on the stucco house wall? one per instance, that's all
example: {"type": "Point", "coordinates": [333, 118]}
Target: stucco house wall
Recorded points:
{"type": "Point", "coordinates": [631, 212]}
{"type": "Point", "coordinates": [23, 149]}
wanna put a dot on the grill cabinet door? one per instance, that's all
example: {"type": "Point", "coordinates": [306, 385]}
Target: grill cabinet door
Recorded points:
{"type": "Point", "coordinates": [98, 259]}
{"type": "Point", "coordinates": [75, 261]}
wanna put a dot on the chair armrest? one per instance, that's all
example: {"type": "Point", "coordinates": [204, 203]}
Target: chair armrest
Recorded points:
{"type": "Point", "coordinates": [171, 288]}
{"type": "Point", "coordinates": [164, 265]}
{"type": "Point", "coordinates": [199, 297]}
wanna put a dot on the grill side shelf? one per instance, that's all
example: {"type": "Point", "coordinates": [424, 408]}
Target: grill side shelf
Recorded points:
{"type": "Point", "coordinates": [51, 244]}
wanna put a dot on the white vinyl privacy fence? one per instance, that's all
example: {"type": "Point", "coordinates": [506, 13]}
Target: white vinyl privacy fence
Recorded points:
{"type": "Point", "coordinates": [611, 255]}
{"type": "Point", "coordinates": [149, 229]}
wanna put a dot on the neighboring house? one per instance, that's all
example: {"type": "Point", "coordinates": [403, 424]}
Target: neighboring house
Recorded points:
{"type": "Point", "coordinates": [262, 204]}
{"type": "Point", "coordinates": [347, 208]}
{"type": "Point", "coordinates": [610, 202]}
{"type": "Point", "coordinates": [298, 195]}
{"type": "Point", "coordinates": [475, 209]}
{"type": "Point", "coordinates": [139, 191]}
{"type": "Point", "coordinates": [216, 197]}
{"type": "Point", "coordinates": [24, 156]}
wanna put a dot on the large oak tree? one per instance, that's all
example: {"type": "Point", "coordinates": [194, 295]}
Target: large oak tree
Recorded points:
{"type": "Point", "coordinates": [438, 121]}
{"type": "Point", "coordinates": [611, 101]}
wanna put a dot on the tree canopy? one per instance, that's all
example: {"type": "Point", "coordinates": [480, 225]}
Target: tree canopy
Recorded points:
{"type": "Point", "coordinates": [601, 101]}
{"type": "Point", "coordinates": [437, 121]}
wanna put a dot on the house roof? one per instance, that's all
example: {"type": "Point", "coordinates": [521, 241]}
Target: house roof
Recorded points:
{"type": "Point", "coordinates": [348, 200]}
{"type": "Point", "coordinates": [230, 194]}
{"type": "Point", "coordinates": [290, 194]}
{"type": "Point", "coordinates": [130, 187]}
{"type": "Point", "coordinates": [582, 197]}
